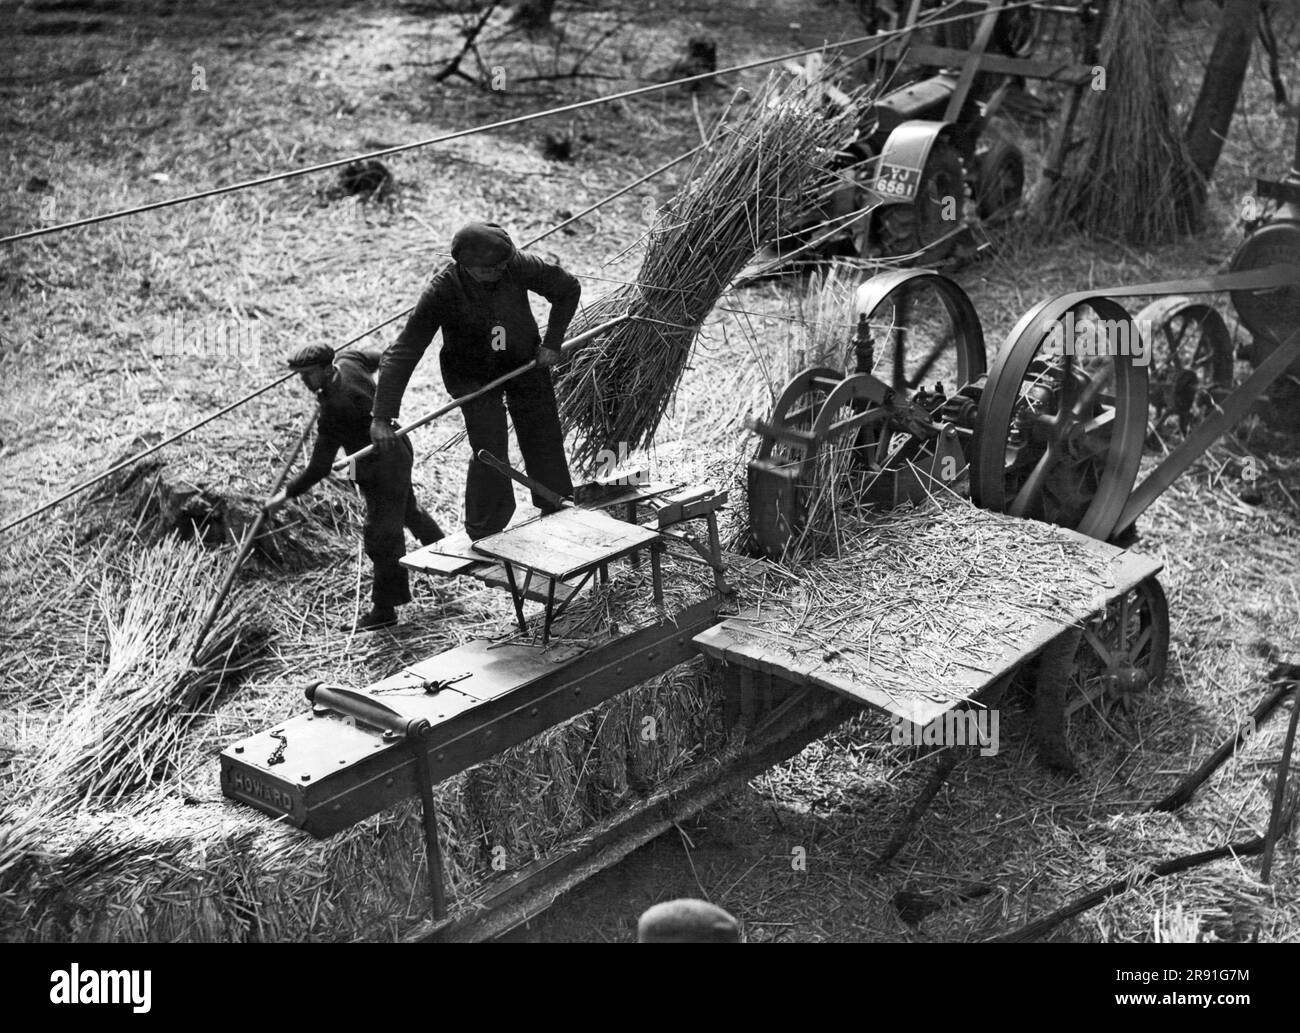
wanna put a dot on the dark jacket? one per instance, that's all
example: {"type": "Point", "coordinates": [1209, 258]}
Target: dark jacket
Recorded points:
{"type": "Point", "coordinates": [344, 422]}
{"type": "Point", "coordinates": [487, 329]}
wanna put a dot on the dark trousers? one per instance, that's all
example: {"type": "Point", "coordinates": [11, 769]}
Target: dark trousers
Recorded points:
{"type": "Point", "coordinates": [385, 483]}
{"type": "Point", "coordinates": [489, 496]}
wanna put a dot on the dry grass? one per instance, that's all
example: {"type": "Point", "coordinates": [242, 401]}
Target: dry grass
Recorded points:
{"type": "Point", "coordinates": [949, 586]}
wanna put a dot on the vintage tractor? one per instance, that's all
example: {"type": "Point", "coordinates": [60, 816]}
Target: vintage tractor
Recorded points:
{"type": "Point", "coordinates": [928, 160]}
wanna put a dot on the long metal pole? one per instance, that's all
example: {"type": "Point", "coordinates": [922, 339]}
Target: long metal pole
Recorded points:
{"type": "Point", "coordinates": [123, 464]}
{"type": "Point", "coordinates": [1275, 820]}
{"type": "Point", "coordinates": [456, 403]}
{"type": "Point", "coordinates": [880, 39]}
{"type": "Point", "coordinates": [246, 545]}
{"type": "Point", "coordinates": [140, 455]}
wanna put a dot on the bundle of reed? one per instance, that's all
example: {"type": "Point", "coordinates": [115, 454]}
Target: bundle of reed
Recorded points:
{"type": "Point", "coordinates": [1132, 178]}
{"type": "Point", "coordinates": [127, 728]}
{"type": "Point", "coordinates": [762, 172]}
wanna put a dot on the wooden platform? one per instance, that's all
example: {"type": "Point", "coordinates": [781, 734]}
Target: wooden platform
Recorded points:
{"type": "Point", "coordinates": [737, 641]}
{"type": "Point", "coordinates": [568, 543]}
{"type": "Point", "coordinates": [455, 554]}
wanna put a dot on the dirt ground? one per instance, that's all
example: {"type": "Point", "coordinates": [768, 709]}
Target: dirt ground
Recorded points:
{"type": "Point", "coordinates": [139, 325]}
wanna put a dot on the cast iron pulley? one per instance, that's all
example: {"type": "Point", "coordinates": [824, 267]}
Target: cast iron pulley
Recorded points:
{"type": "Point", "coordinates": [1063, 418]}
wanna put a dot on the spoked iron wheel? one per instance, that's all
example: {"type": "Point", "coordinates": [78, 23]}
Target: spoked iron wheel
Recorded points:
{"type": "Point", "coordinates": [925, 330]}
{"type": "Point", "coordinates": [927, 347]}
{"type": "Point", "coordinates": [1190, 361]}
{"type": "Point", "coordinates": [839, 433]}
{"type": "Point", "coordinates": [1060, 428]}
{"type": "Point", "coordinates": [1124, 651]}
{"type": "Point", "coordinates": [797, 409]}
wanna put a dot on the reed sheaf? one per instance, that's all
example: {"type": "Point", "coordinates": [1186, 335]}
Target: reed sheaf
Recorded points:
{"type": "Point", "coordinates": [766, 167]}
{"type": "Point", "coordinates": [1132, 176]}
{"type": "Point", "coordinates": [127, 727]}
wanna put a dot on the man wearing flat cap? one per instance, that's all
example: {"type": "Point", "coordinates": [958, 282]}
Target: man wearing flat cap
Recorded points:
{"type": "Point", "coordinates": [346, 391]}
{"type": "Point", "coordinates": [480, 303]}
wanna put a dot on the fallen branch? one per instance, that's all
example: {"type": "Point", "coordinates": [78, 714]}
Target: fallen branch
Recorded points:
{"type": "Point", "coordinates": [452, 67]}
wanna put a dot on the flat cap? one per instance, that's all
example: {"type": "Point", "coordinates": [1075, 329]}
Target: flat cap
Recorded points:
{"type": "Point", "coordinates": [311, 355]}
{"type": "Point", "coordinates": [481, 243]}
{"type": "Point", "coordinates": [687, 921]}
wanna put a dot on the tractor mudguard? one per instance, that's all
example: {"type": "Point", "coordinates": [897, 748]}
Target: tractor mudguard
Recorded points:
{"type": "Point", "coordinates": [903, 158]}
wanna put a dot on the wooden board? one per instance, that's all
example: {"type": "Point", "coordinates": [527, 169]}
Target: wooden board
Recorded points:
{"type": "Point", "coordinates": [805, 663]}
{"type": "Point", "coordinates": [567, 543]}
{"type": "Point", "coordinates": [495, 575]}
{"type": "Point", "coordinates": [336, 769]}
{"type": "Point", "coordinates": [454, 554]}
{"type": "Point", "coordinates": [1000, 64]}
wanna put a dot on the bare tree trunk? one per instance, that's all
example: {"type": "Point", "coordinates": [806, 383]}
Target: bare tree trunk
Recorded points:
{"type": "Point", "coordinates": [1220, 88]}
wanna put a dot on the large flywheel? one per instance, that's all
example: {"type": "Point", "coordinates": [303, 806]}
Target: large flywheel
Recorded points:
{"type": "Point", "coordinates": [895, 428]}
{"type": "Point", "coordinates": [1063, 418]}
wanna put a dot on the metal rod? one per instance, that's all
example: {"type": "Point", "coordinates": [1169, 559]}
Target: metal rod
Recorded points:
{"type": "Point", "coordinates": [516, 595]}
{"type": "Point", "coordinates": [972, 62]}
{"type": "Point", "coordinates": [1188, 786]}
{"type": "Point", "coordinates": [346, 344]}
{"type": "Point", "coordinates": [429, 816]}
{"type": "Point", "coordinates": [1234, 407]}
{"type": "Point", "coordinates": [880, 38]}
{"type": "Point", "coordinates": [456, 403]}
{"type": "Point", "coordinates": [140, 455]}
{"type": "Point", "coordinates": [246, 546]}
{"type": "Point", "coordinates": [1275, 821]}
{"type": "Point", "coordinates": [532, 484]}
{"type": "Point", "coordinates": [490, 386]}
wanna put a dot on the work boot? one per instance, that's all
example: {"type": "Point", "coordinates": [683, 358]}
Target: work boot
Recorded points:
{"type": "Point", "coordinates": [374, 620]}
